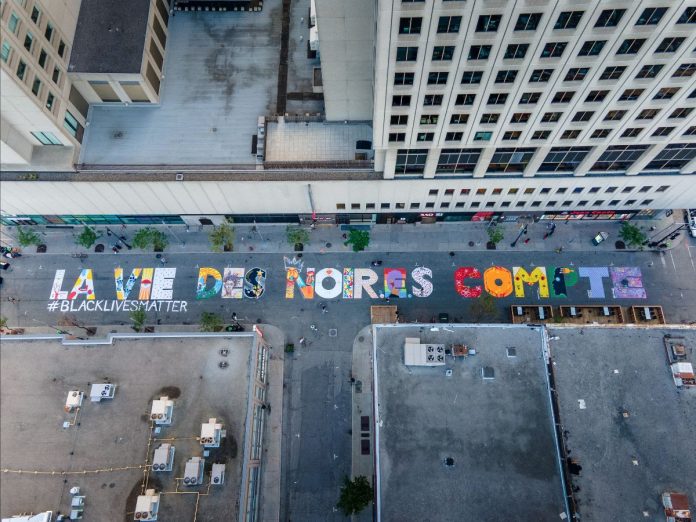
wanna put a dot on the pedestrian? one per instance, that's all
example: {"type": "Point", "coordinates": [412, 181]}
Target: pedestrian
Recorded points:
{"type": "Point", "coordinates": [302, 340]}
{"type": "Point", "coordinates": [234, 316]}
{"type": "Point", "coordinates": [526, 241]}
{"type": "Point", "coordinates": [312, 226]}
{"type": "Point", "coordinates": [387, 299]}
{"type": "Point", "coordinates": [323, 309]}
{"type": "Point", "coordinates": [114, 249]}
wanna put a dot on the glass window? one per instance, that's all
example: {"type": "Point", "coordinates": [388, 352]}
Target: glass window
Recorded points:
{"type": "Point", "coordinates": [612, 73]}
{"type": "Point", "coordinates": [35, 15]}
{"type": "Point", "coordinates": [36, 86]}
{"type": "Point", "coordinates": [651, 16]}
{"type": "Point", "coordinates": [406, 54]}
{"type": "Point", "coordinates": [649, 71]}
{"type": "Point", "coordinates": [497, 98]}
{"type": "Point", "coordinates": [619, 157]}
{"type": "Point", "coordinates": [576, 74]}
{"type": "Point", "coordinates": [528, 22]}
{"type": "Point", "coordinates": [410, 161]}
{"type": "Point", "coordinates": [551, 117]}
{"type": "Point", "coordinates": [449, 24]}
{"type": "Point", "coordinates": [465, 99]}
{"type": "Point", "coordinates": [443, 52]}
{"type": "Point", "coordinates": [506, 76]}
{"type": "Point", "coordinates": [432, 100]}
{"type": "Point", "coordinates": [631, 94]}
{"type": "Point", "coordinates": [483, 136]}
{"type": "Point", "coordinates": [530, 98]}
{"type": "Point", "coordinates": [541, 75]}
{"type": "Point", "coordinates": [42, 58]}
{"type": "Point", "coordinates": [50, 100]}
{"type": "Point", "coordinates": [46, 138]}
{"type": "Point", "coordinates": [688, 16]}
{"type": "Point", "coordinates": [425, 136]}
{"type": "Point", "coordinates": [472, 77]}
{"type": "Point", "coordinates": [685, 70]}
{"type": "Point", "coordinates": [592, 48]}
{"type": "Point", "coordinates": [437, 78]}
{"type": "Point", "coordinates": [564, 159]}
{"type": "Point", "coordinates": [71, 123]}
{"type": "Point", "coordinates": [674, 156]}
{"type": "Point", "coordinates": [631, 46]}
{"type": "Point", "coordinates": [458, 161]}
{"type": "Point", "coordinates": [13, 23]}
{"type": "Point", "coordinates": [5, 53]}
{"type": "Point", "coordinates": [479, 52]}
{"type": "Point", "coordinates": [512, 135]}
{"type": "Point", "coordinates": [28, 41]}
{"type": "Point", "coordinates": [48, 33]}
{"type": "Point", "coordinates": [663, 131]}
{"type": "Point", "coordinates": [488, 23]}
{"type": "Point", "coordinates": [568, 20]}
{"type": "Point", "coordinates": [570, 134]}
{"type": "Point", "coordinates": [564, 96]}
{"type": "Point", "coordinates": [614, 115]}
{"type": "Point", "coordinates": [61, 49]}
{"type": "Point", "coordinates": [510, 159]}
{"type": "Point", "coordinates": [403, 78]}
{"type": "Point", "coordinates": [610, 18]}
{"type": "Point", "coordinates": [669, 45]}
{"type": "Point", "coordinates": [429, 119]}
{"type": "Point", "coordinates": [516, 51]}
{"type": "Point", "coordinates": [666, 93]}
{"type": "Point", "coordinates": [21, 69]}
{"type": "Point", "coordinates": [410, 25]}
{"type": "Point", "coordinates": [553, 49]}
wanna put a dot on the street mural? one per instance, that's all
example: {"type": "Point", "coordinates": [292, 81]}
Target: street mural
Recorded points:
{"type": "Point", "coordinates": [156, 285]}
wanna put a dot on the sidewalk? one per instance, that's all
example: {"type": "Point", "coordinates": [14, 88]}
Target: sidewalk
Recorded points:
{"type": "Point", "coordinates": [445, 237]}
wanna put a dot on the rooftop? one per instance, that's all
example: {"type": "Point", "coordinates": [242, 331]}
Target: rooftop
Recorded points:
{"type": "Point", "coordinates": [115, 433]}
{"type": "Point", "coordinates": [625, 423]}
{"type": "Point", "coordinates": [110, 37]}
{"type": "Point", "coordinates": [498, 432]}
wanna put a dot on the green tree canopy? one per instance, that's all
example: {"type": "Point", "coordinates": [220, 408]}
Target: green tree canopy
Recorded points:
{"type": "Point", "coordinates": [495, 235]}
{"type": "Point", "coordinates": [87, 237]}
{"type": "Point", "coordinates": [222, 238]}
{"type": "Point", "coordinates": [356, 494]}
{"type": "Point", "coordinates": [297, 235]}
{"type": "Point", "coordinates": [138, 317]}
{"type": "Point", "coordinates": [27, 237]}
{"type": "Point", "coordinates": [359, 239]}
{"type": "Point", "coordinates": [210, 322]}
{"type": "Point", "coordinates": [150, 237]}
{"type": "Point", "coordinates": [632, 235]}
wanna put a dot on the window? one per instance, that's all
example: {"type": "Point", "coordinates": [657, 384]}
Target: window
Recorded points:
{"type": "Point", "coordinates": [13, 23]}
{"type": "Point", "coordinates": [465, 192]}
{"type": "Point", "coordinates": [397, 137]}
{"type": "Point", "coordinates": [355, 206]}
{"type": "Point", "coordinates": [340, 206]}
{"type": "Point", "coordinates": [50, 99]}
{"type": "Point", "coordinates": [72, 125]}
{"type": "Point", "coordinates": [471, 77]}
{"type": "Point", "coordinates": [429, 119]}
{"type": "Point", "coordinates": [612, 73]}
{"type": "Point", "coordinates": [410, 25]}
{"type": "Point", "coordinates": [631, 94]}
{"type": "Point", "coordinates": [400, 119]}
{"type": "Point", "coordinates": [662, 188]}
{"type": "Point", "coordinates": [598, 203]}
{"type": "Point", "coordinates": [61, 49]}
{"type": "Point", "coordinates": [459, 119]}
{"type": "Point", "coordinates": [610, 18]}
{"type": "Point", "coordinates": [691, 131]}
{"type": "Point", "coordinates": [35, 15]}
{"type": "Point", "coordinates": [510, 160]}
{"type": "Point", "coordinates": [489, 118]}
{"type": "Point", "coordinates": [553, 50]}
{"type": "Point", "coordinates": [437, 78]}
{"type": "Point", "coordinates": [618, 158]}
{"type": "Point", "coordinates": [21, 69]}
{"type": "Point", "coordinates": [631, 132]}
{"type": "Point", "coordinates": [384, 205]}
{"type": "Point", "coordinates": [536, 203]}
{"type": "Point", "coordinates": [576, 74]}
{"type": "Point", "coordinates": [449, 24]}
{"type": "Point", "coordinates": [403, 78]}
{"type": "Point", "coordinates": [5, 53]}
{"type": "Point", "coordinates": [432, 99]}
{"type": "Point", "coordinates": [541, 134]}
{"type": "Point", "coordinates": [497, 98]}
{"type": "Point", "coordinates": [506, 76]}
{"type": "Point", "coordinates": [614, 202]}
{"type": "Point", "coordinates": [541, 75]}
{"type": "Point", "coordinates": [496, 191]}
{"type": "Point", "coordinates": [670, 45]}
{"type": "Point", "coordinates": [645, 188]}
{"type": "Point", "coordinates": [568, 20]}
{"type": "Point", "coordinates": [42, 58]}
{"type": "Point", "coordinates": [647, 114]}
{"type": "Point", "coordinates": [685, 70]}
{"type": "Point", "coordinates": [401, 100]}
{"type": "Point", "coordinates": [649, 71]}
{"type": "Point", "coordinates": [515, 51]}
{"type": "Point", "coordinates": [449, 192]}
{"type": "Point", "coordinates": [406, 54]}
{"type": "Point", "coordinates": [480, 52]}
{"type": "Point", "coordinates": [600, 133]}
{"type": "Point", "coordinates": [631, 46]}
{"type": "Point", "coordinates": [410, 161]}
{"type": "Point", "coordinates": [682, 112]}
{"type": "Point", "coordinates": [666, 93]}
{"type": "Point", "coordinates": [520, 117]}
{"type": "Point", "coordinates": [651, 16]}
{"type": "Point", "coordinates": [465, 99]}
{"type": "Point", "coordinates": [414, 205]}
{"type": "Point", "coordinates": [410, 2]}
{"type": "Point", "coordinates": [483, 136]}
{"type": "Point", "coordinates": [530, 98]}
{"type": "Point", "coordinates": [488, 23]}
{"type": "Point", "coordinates": [583, 116]}
{"type": "Point", "coordinates": [592, 48]}
{"type": "Point", "coordinates": [458, 161]}
{"type": "Point", "coordinates": [28, 41]}
{"type": "Point", "coordinates": [528, 22]}
{"type": "Point", "coordinates": [594, 190]}
{"type": "Point", "coordinates": [563, 97]}
{"type": "Point", "coordinates": [399, 205]}
{"type": "Point", "coordinates": [481, 192]}
{"type": "Point", "coordinates": [663, 131]}
{"type": "Point", "coordinates": [36, 86]}
{"type": "Point", "coordinates": [610, 190]}
{"type": "Point", "coordinates": [614, 115]}
{"type": "Point", "coordinates": [46, 138]}
{"type": "Point", "coordinates": [673, 157]}
{"type": "Point", "coordinates": [48, 33]}
{"type": "Point", "coordinates": [459, 204]}
{"type": "Point", "coordinates": [512, 135]}
{"type": "Point", "coordinates": [688, 16]}
{"type": "Point", "coordinates": [570, 134]}
{"type": "Point", "coordinates": [433, 192]}
{"type": "Point", "coordinates": [443, 53]}
{"type": "Point", "coordinates": [626, 190]}
{"type": "Point", "coordinates": [56, 75]}
{"type": "Point", "coordinates": [551, 117]}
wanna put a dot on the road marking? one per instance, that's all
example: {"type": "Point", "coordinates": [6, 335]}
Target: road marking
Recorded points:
{"type": "Point", "coordinates": [672, 258]}
{"type": "Point", "coordinates": [688, 249]}
{"type": "Point", "coordinates": [662, 260]}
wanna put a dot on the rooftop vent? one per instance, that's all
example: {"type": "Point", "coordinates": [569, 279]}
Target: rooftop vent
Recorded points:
{"type": "Point", "coordinates": [147, 506]}
{"type": "Point", "coordinates": [217, 475]}
{"type": "Point", "coordinates": [162, 409]}
{"type": "Point", "coordinates": [163, 459]}
{"type": "Point", "coordinates": [488, 373]}
{"type": "Point", "coordinates": [193, 472]}
{"type": "Point", "coordinates": [211, 433]}
{"type": "Point", "coordinates": [74, 400]}
{"type": "Point", "coordinates": [512, 352]}
{"type": "Point", "coordinates": [102, 391]}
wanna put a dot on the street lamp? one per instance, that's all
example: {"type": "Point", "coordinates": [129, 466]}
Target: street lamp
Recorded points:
{"type": "Point", "coordinates": [523, 230]}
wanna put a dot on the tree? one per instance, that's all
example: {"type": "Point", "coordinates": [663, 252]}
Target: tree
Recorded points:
{"type": "Point", "coordinates": [359, 239]}
{"type": "Point", "coordinates": [138, 317]}
{"type": "Point", "coordinates": [356, 494]}
{"type": "Point", "coordinates": [27, 237]}
{"type": "Point", "coordinates": [632, 235]}
{"type": "Point", "coordinates": [159, 240]}
{"type": "Point", "coordinates": [87, 237]}
{"type": "Point", "coordinates": [495, 235]}
{"type": "Point", "coordinates": [222, 238]}
{"type": "Point", "coordinates": [210, 322]}
{"type": "Point", "coordinates": [3, 323]}
{"type": "Point", "coordinates": [148, 236]}
{"type": "Point", "coordinates": [296, 235]}
{"type": "Point", "coordinates": [483, 308]}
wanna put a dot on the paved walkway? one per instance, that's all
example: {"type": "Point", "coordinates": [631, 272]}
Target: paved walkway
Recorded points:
{"type": "Point", "coordinates": [457, 237]}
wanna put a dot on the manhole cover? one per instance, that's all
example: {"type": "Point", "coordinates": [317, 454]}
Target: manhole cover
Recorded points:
{"type": "Point", "coordinates": [361, 338]}
{"type": "Point", "coordinates": [449, 462]}
{"type": "Point", "coordinates": [333, 332]}
{"type": "Point", "coordinates": [328, 245]}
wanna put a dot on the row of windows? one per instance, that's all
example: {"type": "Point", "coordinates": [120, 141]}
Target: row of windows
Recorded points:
{"type": "Point", "coordinates": [504, 204]}
{"type": "Point", "coordinates": [50, 33]}
{"type": "Point", "coordinates": [617, 158]}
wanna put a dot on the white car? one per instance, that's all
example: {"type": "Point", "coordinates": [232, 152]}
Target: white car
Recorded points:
{"type": "Point", "coordinates": [691, 220]}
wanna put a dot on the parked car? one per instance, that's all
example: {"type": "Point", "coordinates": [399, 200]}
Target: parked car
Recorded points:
{"type": "Point", "coordinates": [599, 238]}
{"type": "Point", "coordinates": [691, 220]}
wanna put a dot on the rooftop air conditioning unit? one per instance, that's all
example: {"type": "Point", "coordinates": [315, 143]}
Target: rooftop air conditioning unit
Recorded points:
{"type": "Point", "coordinates": [217, 476]}
{"type": "Point", "coordinates": [162, 410]}
{"type": "Point", "coordinates": [211, 433]}
{"type": "Point", "coordinates": [102, 391]}
{"type": "Point", "coordinates": [74, 400]}
{"type": "Point", "coordinates": [163, 459]}
{"type": "Point", "coordinates": [147, 506]}
{"type": "Point", "coordinates": [193, 472]}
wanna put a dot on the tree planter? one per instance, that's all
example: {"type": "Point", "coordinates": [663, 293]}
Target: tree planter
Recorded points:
{"type": "Point", "coordinates": [620, 245]}
{"type": "Point", "coordinates": [41, 249]}
{"type": "Point", "coordinates": [471, 244]}
{"type": "Point", "coordinates": [299, 247]}
{"type": "Point", "coordinates": [490, 245]}
{"type": "Point", "coordinates": [227, 248]}
{"type": "Point", "coordinates": [99, 248]}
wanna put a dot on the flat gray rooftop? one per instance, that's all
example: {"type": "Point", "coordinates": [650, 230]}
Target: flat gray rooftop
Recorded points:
{"type": "Point", "coordinates": [221, 74]}
{"type": "Point", "coordinates": [499, 432]}
{"type": "Point", "coordinates": [36, 379]}
{"type": "Point", "coordinates": [325, 141]}
{"type": "Point", "coordinates": [110, 37]}
{"type": "Point", "coordinates": [613, 371]}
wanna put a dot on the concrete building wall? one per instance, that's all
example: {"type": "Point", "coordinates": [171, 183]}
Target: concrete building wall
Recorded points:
{"type": "Point", "coordinates": [346, 46]}
{"type": "Point", "coordinates": [379, 196]}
